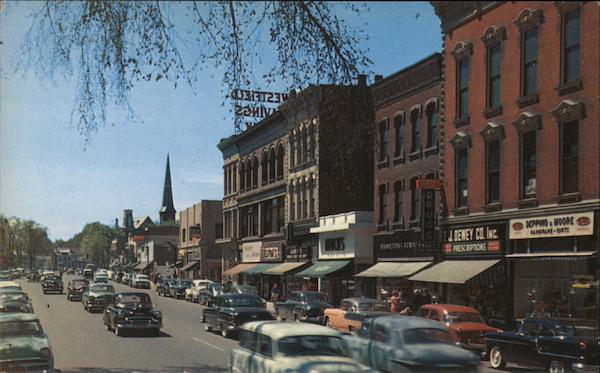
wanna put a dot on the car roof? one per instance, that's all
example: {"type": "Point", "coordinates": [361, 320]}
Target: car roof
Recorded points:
{"type": "Point", "coordinates": [450, 308]}
{"type": "Point", "coordinates": [6, 284]}
{"type": "Point", "coordinates": [282, 329]}
{"type": "Point", "coordinates": [8, 317]}
{"type": "Point", "coordinates": [237, 295]}
{"type": "Point", "coordinates": [127, 293]}
{"type": "Point", "coordinates": [407, 322]}
{"type": "Point", "coordinates": [307, 292]}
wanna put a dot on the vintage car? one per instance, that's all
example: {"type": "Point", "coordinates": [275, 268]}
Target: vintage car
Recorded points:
{"type": "Point", "coordinates": [101, 277]}
{"type": "Point", "coordinates": [52, 283]}
{"type": "Point", "coordinates": [14, 292]}
{"type": "Point", "coordinates": [278, 347]}
{"type": "Point", "coordinates": [305, 306]}
{"type": "Point", "coordinates": [23, 345]}
{"type": "Point", "coordinates": [141, 282]}
{"type": "Point", "coordinates": [132, 311]}
{"type": "Point", "coordinates": [558, 345]}
{"type": "Point", "coordinates": [348, 317]}
{"type": "Point", "coordinates": [227, 312]}
{"type": "Point", "coordinates": [394, 343]}
{"type": "Point", "coordinates": [211, 291]}
{"type": "Point", "coordinates": [192, 294]}
{"type": "Point", "coordinates": [465, 322]}
{"type": "Point", "coordinates": [243, 289]}
{"type": "Point", "coordinates": [76, 288]}
{"type": "Point", "coordinates": [10, 286]}
{"type": "Point", "coordinates": [97, 297]}
{"type": "Point", "coordinates": [15, 303]}
{"type": "Point", "coordinates": [88, 274]}
{"type": "Point", "coordinates": [177, 288]}
{"type": "Point", "coordinates": [162, 286]}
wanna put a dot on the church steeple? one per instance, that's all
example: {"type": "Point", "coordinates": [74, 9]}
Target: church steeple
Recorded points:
{"type": "Point", "coordinates": [167, 211]}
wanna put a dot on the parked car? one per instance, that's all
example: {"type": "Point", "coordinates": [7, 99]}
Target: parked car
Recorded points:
{"type": "Point", "coordinates": [24, 345]}
{"type": "Point", "coordinates": [305, 306]}
{"type": "Point", "coordinates": [162, 286]}
{"type": "Point", "coordinates": [97, 296]}
{"type": "Point", "coordinates": [558, 345]}
{"type": "Point", "coordinates": [177, 288]}
{"type": "Point", "coordinates": [142, 283]}
{"type": "Point", "coordinates": [243, 289]}
{"type": "Point", "coordinates": [132, 311]}
{"type": "Point", "coordinates": [394, 343]}
{"type": "Point", "coordinates": [15, 303]}
{"type": "Point", "coordinates": [119, 276]}
{"type": "Point", "coordinates": [15, 292]}
{"type": "Point", "coordinates": [10, 285]}
{"type": "Point", "coordinates": [465, 322]}
{"type": "Point", "coordinates": [356, 309]}
{"type": "Point", "coordinates": [278, 347]}
{"type": "Point", "coordinates": [101, 277]}
{"type": "Point", "coordinates": [227, 312]}
{"type": "Point", "coordinates": [192, 294]}
{"type": "Point", "coordinates": [211, 291]}
{"type": "Point", "coordinates": [88, 274]}
{"type": "Point", "coordinates": [76, 288]}
{"type": "Point", "coordinates": [52, 283]}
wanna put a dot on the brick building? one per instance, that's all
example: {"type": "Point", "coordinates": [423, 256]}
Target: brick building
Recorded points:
{"type": "Point", "coordinates": [520, 169]}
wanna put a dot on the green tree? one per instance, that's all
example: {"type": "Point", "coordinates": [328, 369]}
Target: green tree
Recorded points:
{"type": "Point", "coordinates": [95, 241]}
{"type": "Point", "coordinates": [31, 240]}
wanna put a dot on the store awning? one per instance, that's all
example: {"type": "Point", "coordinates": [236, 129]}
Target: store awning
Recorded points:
{"type": "Point", "coordinates": [260, 268]}
{"type": "Point", "coordinates": [550, 255]}
{"type": "Point", "coordinates": [454, 271]}
{"type": "Point", "coordinates": [238, 268]}
{"type": "Point", "coordinates": [284, 268]}
{"type": "Point", "coordinates": [393, 269]}
{"type": "Point", "coordinates": [142, 265]}
{"type": "Point", "coordinates": [322, 268]}
{"type": "Point", "coordinates": [191, 266]}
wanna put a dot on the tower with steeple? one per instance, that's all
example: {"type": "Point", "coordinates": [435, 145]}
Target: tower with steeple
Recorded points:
{"type": "Point", "coordinates": [167, 211]}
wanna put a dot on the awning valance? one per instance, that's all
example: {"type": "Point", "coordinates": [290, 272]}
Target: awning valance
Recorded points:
{"type": "Point", "coordinates": [550, 255]}
{"type": "Point", "coordinates": [142, 265]}
{"type": "Point", "coordinates": [260, 268]}
{"type": "Point", "coordinates": [454, 271]}
{"type": "Point", "coordinates": [191, 265]}
{"type": "Point", "coordinates": [323, 268]}
{"type": "Point", "coordinates": [283, 268]}
{"type": "Point", "coordinates": [393, 269]}
{"type": "Point", "coordinates": [238, 268]}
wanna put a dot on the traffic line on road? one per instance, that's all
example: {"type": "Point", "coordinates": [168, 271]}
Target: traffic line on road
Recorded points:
{"type": "Point", "coordinates": [208, 344]}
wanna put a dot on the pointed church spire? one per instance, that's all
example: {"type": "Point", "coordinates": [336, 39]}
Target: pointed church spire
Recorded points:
{"type": "Point", "coordinates": [167, 211]}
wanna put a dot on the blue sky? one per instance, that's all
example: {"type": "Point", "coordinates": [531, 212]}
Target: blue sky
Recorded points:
{"type": "Point", "coordinates": [47, 175]}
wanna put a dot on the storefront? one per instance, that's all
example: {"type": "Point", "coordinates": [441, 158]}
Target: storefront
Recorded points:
{"type": "Point", "coordinates": [265, 255]}
{"type": "Point", "coordinates": [554, 261]}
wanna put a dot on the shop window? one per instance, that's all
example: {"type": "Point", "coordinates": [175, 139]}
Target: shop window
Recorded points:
{"type": "Point", "coordinates": [528, 164]}
{"type": "Point", "coordinates": [415, 122]}
{"type": "Point", "coordinates": [492, 149]}
{"type": "Point", "coordinates": [493, 75]}
{"type": "Point", "coordinates": [529, 51]}
{"type": "Point", "coordinates": [431, 114]}
{"type": "Point", "coordinates": [414, 199]}
{"type": "Point", "coordinates": [398, 196]}
{"type": "Point", "coordinates": [279, 173]}
{"type": "Point", "coordinates": [461, 178]}
{"type": "Point", "coordinates": [569, 156]}
{"type": "Point", "coordinates": [383, 140]}
{"type": "Point", "coordinates": [382, 203]}
{"type": "Point", "coordinates": [462, 88]}
{"type": "Point", "coordinates": [570, 46]}
{"type": "Point", "coordinates": [399, 132]}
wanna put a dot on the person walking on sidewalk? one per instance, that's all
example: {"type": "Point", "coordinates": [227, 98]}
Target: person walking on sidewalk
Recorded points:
{"type": "Point", "coordinates": [275, 293]}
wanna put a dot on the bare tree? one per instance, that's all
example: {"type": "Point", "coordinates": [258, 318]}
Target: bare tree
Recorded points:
{"type": "Point", "coordinates": [112, 45]}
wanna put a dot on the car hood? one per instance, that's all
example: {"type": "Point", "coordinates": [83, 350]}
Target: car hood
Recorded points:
{"type": "Point", "coordinates": [317, 305]}
{"type": "Point", "coordinates": [99, 293]}
{"type": "Point", "coordinates": [472, 326]}
{"type": "Point", "coordinates": [21, 347]}
{"type": "Point", "coordinates": [321, 364]}
{"type": "Point", "coordinates": [441, 354]}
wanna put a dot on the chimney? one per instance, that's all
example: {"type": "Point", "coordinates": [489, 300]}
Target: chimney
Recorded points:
{"type": "Point", "coordinates": [117, 223]}
{"type": "Point", "coordinates": [362, 80]}
{"type": "Point", "coordinates": [128, 219]}
{"type": "Point", "coordinates": [378, 77]}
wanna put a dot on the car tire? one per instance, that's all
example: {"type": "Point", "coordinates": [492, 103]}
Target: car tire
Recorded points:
{"type": "Point", "coordinates": [556, 366]}
{"type": "Point", "coordinates": [278, 315]}
{"type": "Point", "coordinates": [156, 332]}
{"type": "Point", "coordinates": [207, 327]}
{"type": "Point", "coordinates": [496, 359]}
{"type": "Point", "coordinates": [118, 331]}
{"type": "Point", "coordinates": [203, 321]}
{"type": "Point", "coordinates": [224, 332]}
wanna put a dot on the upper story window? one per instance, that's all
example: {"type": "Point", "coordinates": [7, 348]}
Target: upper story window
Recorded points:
{"type": "Point", "coordinates": [248, 174]}
{"type": "Point", "coordinates": [242, 176]}
{"type": "Point", "coordinates": [415, 121]}
{"type": "Point", "coordinates": [304, 145]}
{"type": "Point", "coordinates": [461, 177]}
{"type": "Point", "coordinates": [415, 198]}
{"type": "Point", "coordinates": [398, 196]}
{"type": "Point", "coordinates": [492, 151]}
{"type": "Point", "coordinates": [569, 157]}
{"type": "Point", "coordinates": [383, 140]}
{"type": "Point", "coordinates": [382, 203]}
{"type": "Point", "coordinates": [312, 138]}
{"type": "Point", "coordinates": [570, 45]}
{"type": "Point", "coordinates": [279, 170]}
{"type": "Point", "coordinates": [264, 166]}
{"type": "Point", "coordinates": [528, 23]}
{"type": "Point", "coordinates": [493, 75]}
{"type": "Point", "coordinates": [462, 94]}
{"type": "Point", "coordinates": [292, 151]}
{"type": "Point", "coordinates": [234, 177]}
{"type": "Point", "coordinates": [431, 114]}
{"type": "Point", "coordinates": [272, 164]}
{"type": "Point", "coordinates": [255, 172]}
{"type": "Point", "coordinates": [183, 236]}
{"type": "Point", "coordinates": [399, 132]}
{"type": "Point", "coordinates": [528, 164]}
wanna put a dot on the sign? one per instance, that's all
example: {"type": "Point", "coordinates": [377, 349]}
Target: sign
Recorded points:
{"type": "Point", "coordinates": [434, 184]}
{"type": "Point", "coordinates": [335, 244]}
{"type": "Point", "coordinates": [474, 239]}
{"type": "Point", "coordinates": [428, 216]}
{"type": "Point", "coordinates": [297, 254]}
{"type": "Point", "coordinates": [258, 96]}
{"type": "Point", "coordinates": [406, 244]}
{"type": "Point", "coordinates": [553, 226]}
{"type": "Point", "coordinates": [271, 252]}
{"type": "Point", "coordinates": [251, 252]}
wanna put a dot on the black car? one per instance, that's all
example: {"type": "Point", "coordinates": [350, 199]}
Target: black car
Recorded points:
{"type": "Point", "coordinates": [558, 345]}
{"type": "Point", "coordinates": [162, 286]}
{"type": "Point", "coordinates": [177, 288]}
{"type": "Point", "coordinates": [52, 284]}
{"type": "Point", "coordinates": [210, 292]}
{"type": "Point", "coordinates": [305, 306]}
{"type": "Point", "coordinates": [132, 311]}
{"type": "Point", "coordinates": [76, 288]}
{"type": "Point", "coordinates": [227, 312]}
{"type": "Point", "coordinates": [15, 303]}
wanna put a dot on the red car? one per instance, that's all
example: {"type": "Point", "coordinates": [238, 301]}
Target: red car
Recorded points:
{"type": "Point", "coordinates": [465, 322]}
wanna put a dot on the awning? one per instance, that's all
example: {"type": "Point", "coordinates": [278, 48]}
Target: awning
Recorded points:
{"type": "Point", "coordinates": [260, 268]}
{"type": "Point", "coordinates": [191, 265]}
{"type": "Point", "coordinates": [238, 268]}
{"type": "Point", "coordinates": [393, 269]}
{"type": "Point", "coordinates": [454, 271]}
{"type": "Point", "coordinates": [550, 255]}
{"type": "Point", "coordinates": [142, 265]}
{"type": "Point", "coordinates": [284, 267]}
{"type": "Point", "coordinates": [322, 268]}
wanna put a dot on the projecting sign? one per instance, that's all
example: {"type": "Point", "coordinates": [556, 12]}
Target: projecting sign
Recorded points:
{"type": "Point", "coordinates": [553, 226]}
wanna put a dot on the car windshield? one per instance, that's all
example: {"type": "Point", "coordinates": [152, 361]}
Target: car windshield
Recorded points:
{"type": "Point", "coordinates": [373, 306]}
{"type": "Point", "coordinates": [108, 288]}
{"type": "Point", "coordinates": [52, 278]}
{"type": "Point", "coordinates": [133, 298]}
{"type": "Point", "coordinates": [455, 317]}
{"type": "Point", "coordinates": [245, 289]}
{"type": "Point", "coordinates": [12, 298]}
{"type": "Point", "coordinates": [20, 329]}
{"type": "Point", "coordinates": [185, 283]}
{"type": "Point", "coordinates": [9, 289]}
{"type": "Point", "coordinates": [426, 336]}
{"type": "Point", "coordinates": [311, 345]}
{"type": "Point", "coordinates": [243, 302]}
{"type": "Point", "coordinates": [316, 297]}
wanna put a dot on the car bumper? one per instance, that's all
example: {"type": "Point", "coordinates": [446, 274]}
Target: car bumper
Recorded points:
{"type": "Point", "coordinates": [53, 288]}
{"type": "Point", "coordinates": [153, 324]}
{"type": "Point", "coordinates": [584, 368]}
{"type": "Point", "coordinates": [478, 348]}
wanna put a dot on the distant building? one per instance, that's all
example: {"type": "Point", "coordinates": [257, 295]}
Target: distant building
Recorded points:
{"type": "Point", "coordinates": [167, 210]}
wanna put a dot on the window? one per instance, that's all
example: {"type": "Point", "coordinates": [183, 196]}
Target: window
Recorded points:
{"type": "Point", "coordinates": [304, 146]}
{"type": "Point", "coordinates": [313, 141]}
{"type": "Point", "coordinates": [430, 112]}
{"type": "Point", "coordinates": [492, 149]}
{"type": "Point", "coordinates": [493, 75]}
{"type": "Point", "coordinates": [264, 168]}
{"type": "Point", "coordinates": [415, 121]}
{"type": "Point", "coordinates": [382, 203]}
{"type": "Point", "coordinates": [248, 340]}
{"type": "Point", "coordinates": [528, 164]}
{"type": "Point", "coordinates": [381, 333]}
{"type": "Point", "coordinates": [300, 198]}
{"type": "Point", "coordinates": [399, 131]}
{"type": "Point", "coordinates": [312, 199]}
{"type": "Point", "coordinates": [234, 176]}
{"type": "Point", "coordinates": [434, 315]}
{"type": "Point", "coordinates": [461, 178]}
{"type": "Point", "coordinates": [398, 195]}
{"type": "Point", "coordinates": [183, 236]}
{"type": "Point", "coordinates": [279, 173]}
{"type": "Point", "coordinates": [414, 199]}
{"type": "Point", "coordinates": [292, 204]}
{"type": "Point", "coordinates": [383, 140]}
{"type": "Point", "coordinates": [570, 46]}
{"type": "Point", "coordinates": [529, 62]}
{"type": "Point", "coordinates": [255, 172]}
{"type": "Point", "coordinates": [569, 157]}
{"type": "Point", "coordinates": [264, 345]}
{"type": "Point", "coordinates": [242, 176]}
{"type": "Point", "coordinates": [280, 213]}
{"type": "Point", "coordinates": [248, 175]}
{"type": "Point", "coordinates": [305, 193]}
{"type": "Point", "coordinates": [462, 94]}
{"type": "Point", "coordinates": [219, 230]}
{"type": "Point", "coordinates": [272, 160]}
{"type": "Point", "coordinates": [292, 152]}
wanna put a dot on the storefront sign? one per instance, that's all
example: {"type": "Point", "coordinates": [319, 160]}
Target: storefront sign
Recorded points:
{"type": "Point", "coordinates": [335, 244]}
{"type": "Point", "coordinates": [475, 239]}
{"type": "Point", "coordinates": [297, 254]}
{"type": "Point", "coordinates": [428, 198]}
{"type": "Point", "coordinates": [251, 252]}
{"type": "Point", "coordinates": [434, 184]}
{"type": "Point", "coordinates": [404, 245]}
{"type": "Point", "coordinates": [271, 253]}
{"type": "Point", "coordinates": [553, 226]}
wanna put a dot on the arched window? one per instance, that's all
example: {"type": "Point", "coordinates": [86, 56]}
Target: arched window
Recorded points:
{"type": "Point", "coordinates": [313, 141]}
{"type": "Point", "coordinates": [398, 197]}
{"type": "Point", "coordinates": [280, 151]}
{"type": "Point", "coordinates": [272, 160]}
{"type": "Point", "coordinates": [255, 172]}
{"type": "Point", "coordinates": [248, 174]}
{"type": "Point", "coordinates": [299, 149]}
{"type": "Point", "coordinates": [242, 176]}
{"type": "Point", "coordinates": [292, 151]}
{"type": "Point", "coordinates": [264, 168]}
{"type": "Point", "coordinates": [415, 121]}
{"type": "Point", "coordinates": [304, 145]}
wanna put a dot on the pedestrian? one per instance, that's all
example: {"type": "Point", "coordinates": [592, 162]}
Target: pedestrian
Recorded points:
{"type": "Point", "coordinates": [426, 296]}
{"type": "Point", "coordinates": [275, 293]}
{"type": "Point", "coordinates": [394, 300]}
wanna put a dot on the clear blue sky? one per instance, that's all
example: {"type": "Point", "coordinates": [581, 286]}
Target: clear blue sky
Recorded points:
{"type": "Point", "coordinates": [47, 175]}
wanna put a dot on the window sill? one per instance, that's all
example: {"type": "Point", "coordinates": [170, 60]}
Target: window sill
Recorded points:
{"type": "Point", "coordinates": [397, 226]}
{"type": "Point", "coordinates": [528, 203]}
{"type": "Point", "coordinates": [492, 207]}
{"type": "Point", "coordinates": [414, 223]}
{"type": "Point", "coordinates": [398, 159]}
{"type": "Point", "coordinates": [381, 227]}
{"type": "Point", "coordinates": [462, 122]}
{"type": "Point", "coordinates": [492, 112]}
{"type": "Point", "coordinates": [569, 87]}
{"type": "Point", "coordinates": [461, 211]}
{"type": "Point", "coordinates": [431, 150]}
{"type": "Point", "coordinates": [383, 163]}
{"type": "Point", "coordinates": [415, 155]}
{"type": "Point", "coordinates": [569, 198]}
{"type": "Point", "coordinates": [528, 100]}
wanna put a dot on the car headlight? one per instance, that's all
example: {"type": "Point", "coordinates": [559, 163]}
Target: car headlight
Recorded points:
{"type": "Point", "coordinates": [45, 352]}
{"type": "Point", "coordinates": [156, 313]}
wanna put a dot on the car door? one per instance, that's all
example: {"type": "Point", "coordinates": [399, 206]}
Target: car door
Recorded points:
{"type": "Point", "coordinates": [524, 347]}
{"type": "Point", "coordinates": [242, 357]}
{"type": "Point", "coordinates": [337, 316]}
{"type": "Point", "coordinates": [263, 355]}
{"type": "Point", "coordinates": [381, 348]}
{"type": "Point", "coordinates": [211, 312]}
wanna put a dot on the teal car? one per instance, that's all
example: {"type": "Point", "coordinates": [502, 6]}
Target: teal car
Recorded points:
{"type": "Point", "coordinates": [97, 297]}
{"type": "Point", "coordinates": [23, 344]}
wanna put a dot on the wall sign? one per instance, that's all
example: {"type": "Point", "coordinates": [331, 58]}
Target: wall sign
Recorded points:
{"type": "Point", "coordinates": [271, 253]}
{"type": "Point", "coordinates": [297, 254]}
{"type": "Point", "coordinates": [474, 239]}
{"type": "Point", "coordinates": [251, 252]}
{"type": "Point", "coordinates": [404, 245]}
{"type": "Point", "coordinates": [335, 244]}
{"type": "Point", "coordinates": [553, 226]}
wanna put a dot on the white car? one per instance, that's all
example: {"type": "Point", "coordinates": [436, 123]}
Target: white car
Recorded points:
{"type": "Point", "coordinates": [193, 294]}
{"type": "Point", "coordinates": [278, 347]}
{"type": "Point", "coordinates": [100, 277]}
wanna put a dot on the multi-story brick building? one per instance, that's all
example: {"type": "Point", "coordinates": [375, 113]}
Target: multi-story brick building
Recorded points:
{"type": "Point", "coordinates": [520, 170]}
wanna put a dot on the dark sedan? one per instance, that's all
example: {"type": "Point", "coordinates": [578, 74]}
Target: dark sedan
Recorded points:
{"type": "Point", "coordinates": [210, 292]}
{"type": "Point", "coordinates": [162, 286]}
{"type": "Point", "coordinates": [132, 311]}
{"type": "Point", "coordinates": [228, 312]}
{"type": "Point", "coordinates": [177, 288]}
{"type": "Point", "coordinates": [15, 303]}
{"type": "Point", "coordinates": [76, 288]}
{"type": "Point", "coordinates": [305, 306]}
{"type": "Point", "coordinates": [52, 283]}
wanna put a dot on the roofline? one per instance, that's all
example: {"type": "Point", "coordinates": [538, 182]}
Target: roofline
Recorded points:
{"type": "Point", "coordinates": [405, 70]}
